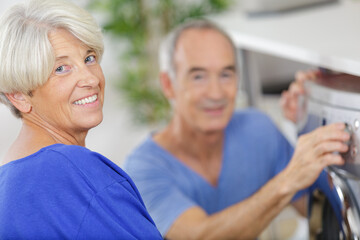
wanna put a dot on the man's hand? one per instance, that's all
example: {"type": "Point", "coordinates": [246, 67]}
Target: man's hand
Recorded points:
{"type": "Point", "coordinates": [289, 98]}
{"type": "Point", "coordinates": [315, 151]}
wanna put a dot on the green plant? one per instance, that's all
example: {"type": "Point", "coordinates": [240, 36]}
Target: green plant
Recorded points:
{"type": "Point", "coordinates": [142, 23]}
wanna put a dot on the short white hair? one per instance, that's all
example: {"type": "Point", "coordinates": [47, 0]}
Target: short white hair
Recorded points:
{"type": "Point", "coordinates": [168, 45]}
{"type": "Point", "coordinates": [26, 54]}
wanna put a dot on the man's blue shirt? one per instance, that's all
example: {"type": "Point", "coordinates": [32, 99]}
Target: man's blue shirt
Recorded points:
{"type": "Point", "coordinates": [254, 152]}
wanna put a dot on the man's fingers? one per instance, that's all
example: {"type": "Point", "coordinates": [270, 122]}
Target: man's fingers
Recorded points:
{"type": "Point", "coordinates": [325, 139]}
{"type": "Point", "coordinates": [332, 159]}
{"type": "Point", "coordinates": [329, 132]}
{"type": "Point", "coordinates": [296, 88]}
{"type": "Point", "coordinates": [284, 98]}
{"type": "Point", "coordinates": [302, 76]}
{"type": "Point", "coordinates": [314, 74]}
{"type": "Point", "coordinates": [330, 147]}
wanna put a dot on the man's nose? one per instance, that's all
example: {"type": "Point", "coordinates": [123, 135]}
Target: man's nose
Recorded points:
{"type": "Point", "coordinates": [214, 89]}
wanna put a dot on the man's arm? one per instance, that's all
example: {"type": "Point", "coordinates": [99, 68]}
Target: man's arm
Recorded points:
{"type": "Point", "coordinates": [244, 220]}
{"type": "Point", "coordinates": [247, 219]}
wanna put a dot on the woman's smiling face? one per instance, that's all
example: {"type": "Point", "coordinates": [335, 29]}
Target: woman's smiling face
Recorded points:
{"type": "Point", "coordinates": [72, 98]}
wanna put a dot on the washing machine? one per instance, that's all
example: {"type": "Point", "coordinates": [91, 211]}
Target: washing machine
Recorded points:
{"type": "Point", "coordinates": [334, 205]}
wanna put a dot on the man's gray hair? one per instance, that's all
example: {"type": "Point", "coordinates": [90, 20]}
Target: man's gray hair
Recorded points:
{"type": "Point", "coordinates": [26, 54]}
{"type": "Point", "coordinates": [168, 45]}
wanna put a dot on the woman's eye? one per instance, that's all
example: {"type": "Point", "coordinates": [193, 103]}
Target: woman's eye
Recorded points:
{"type": "Point", "coordinates": [63, 69]}
{"type": "Point", "coordinates": [90, 59]}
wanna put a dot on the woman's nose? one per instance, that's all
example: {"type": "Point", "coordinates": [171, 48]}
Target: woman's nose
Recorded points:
{"type": "Point", "coordinates": [87, 78]}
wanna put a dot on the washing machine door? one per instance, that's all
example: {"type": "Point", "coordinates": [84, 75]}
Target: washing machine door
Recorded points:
{"type": "Point", "coordinates": [333, 210]}
{"type": "Point", "coordinates": [329, 100]}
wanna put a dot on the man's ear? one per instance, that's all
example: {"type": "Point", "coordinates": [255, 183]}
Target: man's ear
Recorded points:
{"type": "Point", "coordinates": [167, 85]}
{"type": "Point", "coordinates": [20, 101]}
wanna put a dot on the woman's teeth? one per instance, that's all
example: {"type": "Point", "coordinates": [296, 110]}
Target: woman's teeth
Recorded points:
{"type": "Point", "coordinates": [86, 100]}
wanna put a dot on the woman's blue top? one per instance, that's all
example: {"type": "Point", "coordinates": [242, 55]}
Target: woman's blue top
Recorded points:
{"type": "Point", "coordinates": [70, 192]}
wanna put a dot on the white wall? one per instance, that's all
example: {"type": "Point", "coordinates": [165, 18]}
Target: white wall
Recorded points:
{"type": "Point", "coordinates": [114, 137]}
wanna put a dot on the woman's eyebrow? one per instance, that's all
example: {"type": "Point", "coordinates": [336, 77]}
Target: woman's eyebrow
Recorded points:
{"type": "Point", "coordinates": [61, 57]}
{"type": "Point", "coordinates": [65, 57]}
{"type": "Point", "coordinates": [90, 51]}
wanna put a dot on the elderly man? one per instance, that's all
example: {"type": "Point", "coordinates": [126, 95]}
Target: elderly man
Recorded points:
{"type": "Point", "coordinates": [214, 173]}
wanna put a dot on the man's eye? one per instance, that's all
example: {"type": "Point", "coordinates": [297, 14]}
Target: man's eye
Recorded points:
{"type": "Point", "coordinates": [198, 77]}
{"type": "Point", "coordinates": [227, 75]}
{"type": "Point", "coordinates": [90, 59]}
{"type": "Point", "coordinates": [62, 69]}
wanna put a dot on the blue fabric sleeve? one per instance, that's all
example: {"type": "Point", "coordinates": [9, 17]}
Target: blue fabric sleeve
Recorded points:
{"type": "Point", "coordinates": [116, 208]}
{"type": "Point", "coordinates": [116, 213]}
{"type": "Point", "coordinates": [163, 199]}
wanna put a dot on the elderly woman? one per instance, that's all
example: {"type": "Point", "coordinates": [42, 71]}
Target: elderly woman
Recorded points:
{"type": "Point", "coordinates": [51, 186]}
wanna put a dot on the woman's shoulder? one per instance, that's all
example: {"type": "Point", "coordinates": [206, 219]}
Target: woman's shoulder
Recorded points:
{"type": "Point", "coordinates": [61, 154]}
{"type": "Point", "coordinates": [66, 149]}
{"type": "Point", "coordinates": [90, 164]}
{"type": "Point", "coordinates": [69, 161]}
{"type": "Point", "coordinates": [74, 153]}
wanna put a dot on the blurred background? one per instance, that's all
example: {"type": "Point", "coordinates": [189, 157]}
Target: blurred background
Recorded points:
{"type": "Point", "coordinates": [134, 105]}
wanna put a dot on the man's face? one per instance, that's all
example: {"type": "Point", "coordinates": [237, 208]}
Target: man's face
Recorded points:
{"type": "Point", "coordinates": [206, 83]}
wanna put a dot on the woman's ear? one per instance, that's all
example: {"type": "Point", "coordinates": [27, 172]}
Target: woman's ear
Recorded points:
{"type": "Point", "coordinates": [20, 101]}
{"type": "Point", "coordinates": [167, 85]}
